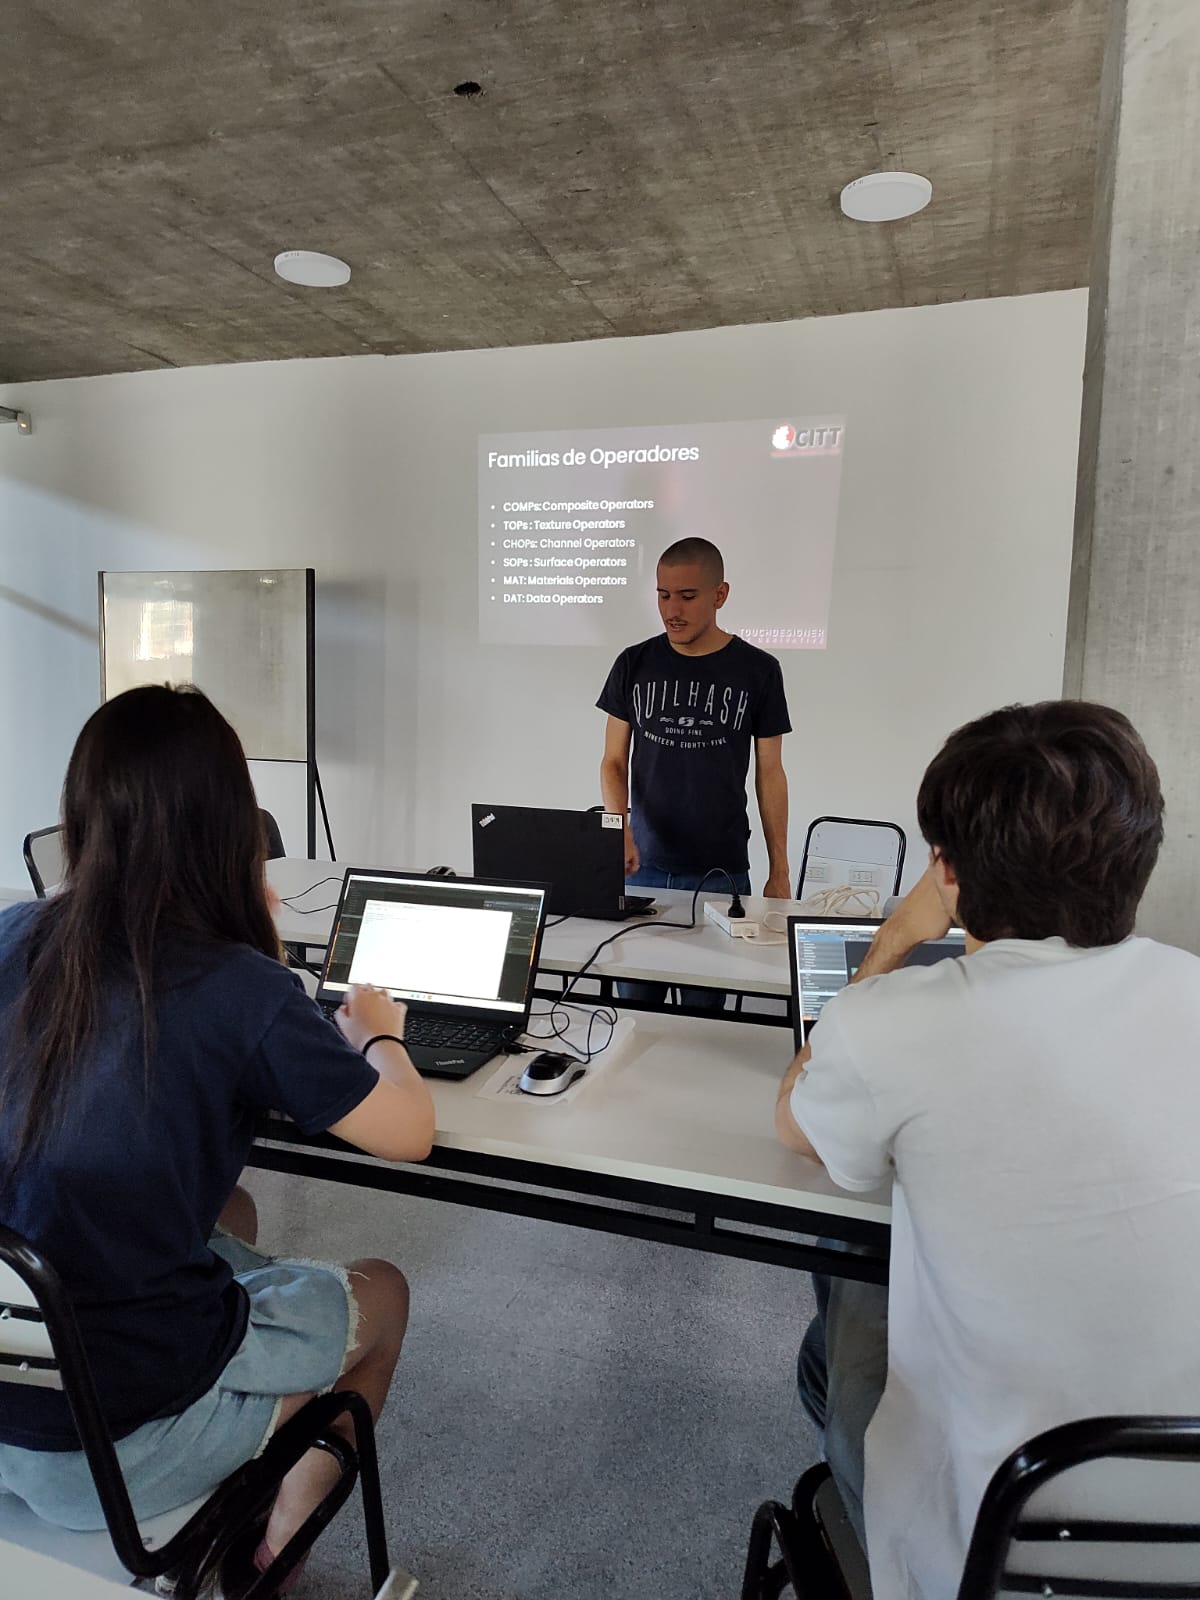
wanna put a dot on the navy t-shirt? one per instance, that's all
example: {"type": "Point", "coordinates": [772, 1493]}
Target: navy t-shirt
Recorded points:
{"type": "Point", "coordinates": [123, 1198]}
{"type": "Point", "coordinates": [693, 719]}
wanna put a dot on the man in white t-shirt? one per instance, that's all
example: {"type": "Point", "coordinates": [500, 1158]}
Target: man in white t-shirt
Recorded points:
{"type": "Point", "coordinates": [1038, 1104]}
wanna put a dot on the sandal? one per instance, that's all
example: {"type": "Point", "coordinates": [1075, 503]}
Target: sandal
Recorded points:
{"type": "Point", "coordinates": [245, 1562]}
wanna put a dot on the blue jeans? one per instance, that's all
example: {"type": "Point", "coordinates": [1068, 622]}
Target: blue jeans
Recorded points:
{"type": "Point", "coordinates": [841, 1371]}
{"type": "Point", "coordinates": [655, 994]}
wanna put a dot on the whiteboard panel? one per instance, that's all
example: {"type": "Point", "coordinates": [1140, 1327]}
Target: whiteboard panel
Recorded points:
{"type": "Point", "coordinates": [242, 637]}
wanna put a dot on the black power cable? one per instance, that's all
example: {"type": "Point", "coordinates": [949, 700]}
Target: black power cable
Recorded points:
{"type": "Point", "coordinates": [651, 922]}
{"type": "Point", "coordinates": [309, 911]}
{"type": "Point", "coordinates": [607, 1014]}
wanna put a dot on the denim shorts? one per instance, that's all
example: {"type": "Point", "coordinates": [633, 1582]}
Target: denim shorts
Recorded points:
{"type": "Point", "coordinates": [303, 1323]}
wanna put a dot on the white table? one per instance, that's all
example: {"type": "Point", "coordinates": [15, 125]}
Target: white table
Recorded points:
{"type": "Point", "coordinates": [311, 922]}
{"type": "Point", "coordinates": [33, 1575]}
{"type": "Point", "coordinates": [700, 957]}
{"type": "Point", "coordinates": [679, 1123]}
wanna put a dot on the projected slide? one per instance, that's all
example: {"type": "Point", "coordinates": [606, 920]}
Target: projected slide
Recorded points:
{"type": "Point", "coordinates": [572, 523]}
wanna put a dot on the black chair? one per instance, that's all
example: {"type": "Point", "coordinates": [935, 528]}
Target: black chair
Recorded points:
{"type": "Point", "coordinates": [40, 1344]}
{"type": "Point", "coordinates": [820, 1557]}
{"type": "Point", "coordinates": [1013, 1552]}
{"type": "Point", "coordinates": [45, 861]}
{"type": "Point", "coordinates": [275, 850]}
{"type": "Point", "coordinates": [853, 839]}
{"type": "Point", "coordinates": [1146, 1553]}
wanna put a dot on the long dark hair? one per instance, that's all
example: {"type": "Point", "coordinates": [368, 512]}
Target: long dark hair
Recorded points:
{"type": "Point", "coordinates": [164, 844]}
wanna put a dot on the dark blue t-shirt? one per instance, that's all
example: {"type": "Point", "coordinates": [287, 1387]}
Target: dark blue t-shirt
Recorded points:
{"type": "Point", "coordinates": [693, 719]}
{"type": "Point", "coordinates": [124, 1197]}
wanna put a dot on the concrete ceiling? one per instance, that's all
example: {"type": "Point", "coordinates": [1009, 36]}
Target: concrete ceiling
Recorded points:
{"type": "Point", "coordinates": [631, 166]}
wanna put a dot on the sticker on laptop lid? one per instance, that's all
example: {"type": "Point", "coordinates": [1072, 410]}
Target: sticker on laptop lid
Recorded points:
{"type": "Point", "coordinates": [612, 819]}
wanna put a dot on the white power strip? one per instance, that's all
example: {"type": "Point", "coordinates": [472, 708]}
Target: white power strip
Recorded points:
{"type": "Point", "coordinates": [735, 927]}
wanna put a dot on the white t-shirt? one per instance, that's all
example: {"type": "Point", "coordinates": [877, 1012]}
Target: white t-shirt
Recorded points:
{"type": "Point", "coordinates": [1040, 1105]}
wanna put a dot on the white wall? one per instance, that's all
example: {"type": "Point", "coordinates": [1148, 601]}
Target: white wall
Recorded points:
{"type": "Point", "coordinates": [950, 584]}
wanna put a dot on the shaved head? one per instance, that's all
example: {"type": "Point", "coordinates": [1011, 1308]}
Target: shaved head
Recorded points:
{"type": "Point", "coordinates": [696, 553]}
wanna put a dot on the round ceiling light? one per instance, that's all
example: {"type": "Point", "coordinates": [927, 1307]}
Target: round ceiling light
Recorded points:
{"type": "Point", "coordinates": [312, 269]}
{"type": "Point", "coordinates": [886, 196]}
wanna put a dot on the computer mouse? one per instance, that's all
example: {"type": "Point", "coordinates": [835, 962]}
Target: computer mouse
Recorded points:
{"type": "Point", "coordinates": [550, 1073]}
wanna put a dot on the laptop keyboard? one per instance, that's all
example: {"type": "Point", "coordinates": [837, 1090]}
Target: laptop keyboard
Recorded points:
{"type": "Point", "coordinates": [445, 1033]}
{"type": "Point", "coordinates": [451, 1033]}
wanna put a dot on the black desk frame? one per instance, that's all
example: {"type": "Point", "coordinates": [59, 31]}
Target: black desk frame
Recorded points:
{"type": "Point", "coordinates": [692, 1218]}
{"type": "Point", "coordinates": [606, 995]}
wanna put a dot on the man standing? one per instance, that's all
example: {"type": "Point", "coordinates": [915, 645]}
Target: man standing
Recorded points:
{"type": "Point", "coordinates": [1036, 1101]}
{"type": "Point", "coordinates": [683, 710]}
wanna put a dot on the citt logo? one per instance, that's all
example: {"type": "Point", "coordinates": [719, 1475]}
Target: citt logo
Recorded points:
{"type": "Point", "coordinates": [790, 441]}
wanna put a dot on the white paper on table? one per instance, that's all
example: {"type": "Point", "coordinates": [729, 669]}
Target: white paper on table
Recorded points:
{"type": "Point", "coordinates": [502, 1083]}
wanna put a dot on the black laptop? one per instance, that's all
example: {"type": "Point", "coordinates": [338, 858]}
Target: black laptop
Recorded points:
{"type": "Point", "coordinates": [580, 854]}
{"type": "Point", "coordinates": [826, 952]}
{"type": "Point", "coordinates": [460, 952]}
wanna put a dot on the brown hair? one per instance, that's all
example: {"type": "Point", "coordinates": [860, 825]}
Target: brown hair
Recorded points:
{"type": "Point", "coordinates": [164, 841]}
{"type": "Point", "coordinates": [1051, 818]}
{"type": "Point", "coordinates": [695, 552]}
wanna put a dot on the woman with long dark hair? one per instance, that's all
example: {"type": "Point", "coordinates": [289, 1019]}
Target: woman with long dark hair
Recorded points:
{"type": "Point", "coordinates": [146, 1020]}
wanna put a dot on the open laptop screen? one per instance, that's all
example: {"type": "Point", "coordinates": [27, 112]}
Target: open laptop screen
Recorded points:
{"type": "Point", "coordinates": [825, 953]}
{"type": "Point", "coordinates": [437, 942]}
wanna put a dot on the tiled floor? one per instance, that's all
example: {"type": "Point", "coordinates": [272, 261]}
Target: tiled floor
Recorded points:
{"type": "Point", "coordinates": [575, 1415]}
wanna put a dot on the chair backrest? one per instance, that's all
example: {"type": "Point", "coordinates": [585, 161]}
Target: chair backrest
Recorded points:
{"type": "Point", "coordinates": [275, 850]}
{"type": "Point", "coordinates": [44, 860]}
{"type": "Point", "coordinates": [1106, 1506]}
{"type": "Point", "coordinates": [853, 863]}
{"type": "Point", "coordinates": [40, 1345]}
{"type": "Point", "coordinates": [26, 1353]}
